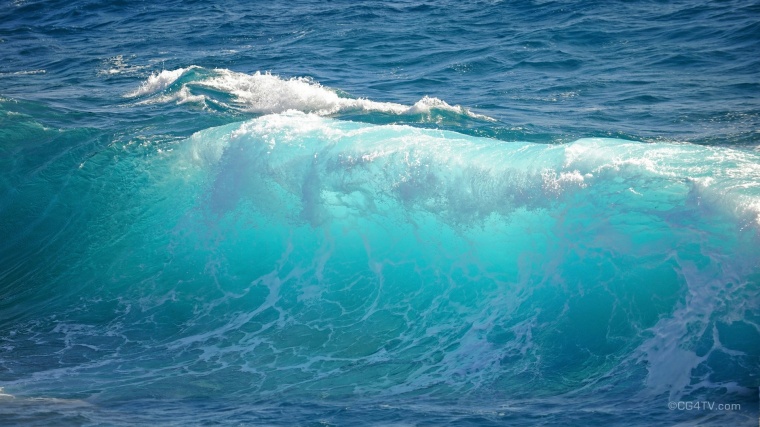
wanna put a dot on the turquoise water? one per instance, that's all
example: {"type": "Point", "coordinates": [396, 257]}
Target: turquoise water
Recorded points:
{"type": "Point", "coordinates": [392, 213]}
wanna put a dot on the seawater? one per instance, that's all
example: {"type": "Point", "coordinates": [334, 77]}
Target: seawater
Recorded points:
{"type": "Point", "coordinates": [386, 213]}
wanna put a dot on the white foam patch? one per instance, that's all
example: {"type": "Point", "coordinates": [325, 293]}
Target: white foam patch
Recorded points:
{"type": "Point", "coordinates": [477, 175]}
{"type": "Point", "coordinates": [158, 82]}
{"type": "Point", "coordinates": [727, 178]}
{"type": "Point", "coordinates": [555, 183]}
{"type": "Point", "coordinates": [23, 73]}
{"type": "Point", "coordinates": [119, 65]}
{"type": "Point", "coordinates": [4, 395]}
{"type": "Point", "coordinates": [427, 103]}
{"type": "Point", "coordinates": [266, 93]}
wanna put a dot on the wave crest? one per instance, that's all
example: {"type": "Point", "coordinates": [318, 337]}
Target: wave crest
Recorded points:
{"type": "Point", "coordinates": [266, 93]}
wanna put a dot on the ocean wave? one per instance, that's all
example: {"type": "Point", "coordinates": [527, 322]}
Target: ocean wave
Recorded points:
{"type": "Point", "coordinates": [578, 230]}
{"type": "Point", "coordinates": [485, 176]}
{"type": "Point", "coordinates": [303, 256]}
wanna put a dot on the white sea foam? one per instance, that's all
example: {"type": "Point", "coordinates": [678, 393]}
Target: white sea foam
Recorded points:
{"type": "Point", "coordinates": [477, 175]}
{"type": "Point", "coordinates": [267, 93]}
{"type": "Point", "coordinates": [23, 73]}
{"type": "Point", "coordinates": [555, 183]}
{"type": "Point", "coordinates": [725, 178]}
{"type": "Point", "coordinates": [427, 103]}
{"type": "Point", "coordinates": [158, 82]}
{"type": "Point", "coordinates": [119, 65]}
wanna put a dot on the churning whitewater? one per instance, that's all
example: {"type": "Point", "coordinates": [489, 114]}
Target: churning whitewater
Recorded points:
{"type": "Point", "coordinates": [265, 93]}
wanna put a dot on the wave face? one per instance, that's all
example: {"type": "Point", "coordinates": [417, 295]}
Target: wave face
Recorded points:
{"type": "Point", "coordinates": [297, 258]}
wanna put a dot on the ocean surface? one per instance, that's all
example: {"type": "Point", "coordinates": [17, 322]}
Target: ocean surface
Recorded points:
{"type": "Point", "coordinates": [337, 213]}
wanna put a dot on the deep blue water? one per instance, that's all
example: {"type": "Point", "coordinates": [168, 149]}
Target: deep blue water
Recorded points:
{"type": "Point", "coordinates": [384, 213]}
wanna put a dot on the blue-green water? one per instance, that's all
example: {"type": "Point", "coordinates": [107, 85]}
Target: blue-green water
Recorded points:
{"type": "Point", "coordinates": [393, 213]}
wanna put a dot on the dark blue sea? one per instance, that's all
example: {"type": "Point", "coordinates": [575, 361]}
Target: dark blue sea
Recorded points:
{"type": "Point", "coordinates": [380, 213]}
